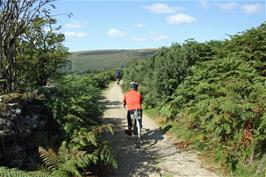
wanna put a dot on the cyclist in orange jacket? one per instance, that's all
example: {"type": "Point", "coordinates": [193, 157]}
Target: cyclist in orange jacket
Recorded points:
{"type": "Point", "coordinates": [133, 101]}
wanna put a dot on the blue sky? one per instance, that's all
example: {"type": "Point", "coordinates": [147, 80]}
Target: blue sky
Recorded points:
{"type": "Point", "coordinates": [151, 24]}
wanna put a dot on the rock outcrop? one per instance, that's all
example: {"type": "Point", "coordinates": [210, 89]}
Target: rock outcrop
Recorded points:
{"type": "Point", "coordinates": [25, 124]}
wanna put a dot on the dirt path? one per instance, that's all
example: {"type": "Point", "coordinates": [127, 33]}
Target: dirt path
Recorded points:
{"type": "Point", "coordinates": [157, 157]}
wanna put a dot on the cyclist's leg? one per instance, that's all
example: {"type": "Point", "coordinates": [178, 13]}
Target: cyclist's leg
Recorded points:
{"type": "Point", "coordinates": [129, 121]}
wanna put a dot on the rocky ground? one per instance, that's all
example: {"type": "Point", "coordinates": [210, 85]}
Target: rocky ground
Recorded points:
{"type": "Point", "coordinates": [25, 124]}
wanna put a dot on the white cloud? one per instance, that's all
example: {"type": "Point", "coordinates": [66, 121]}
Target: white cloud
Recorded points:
{"type": "Point", "coordinates": [252, 8]}
{"type": "Point", "coordinates": [160, 8]}
{"type": "Point", "coordinates": [140, 25]}
{"type": "Point", "coordinates": [75, 24]}
{"type": "Point", "coordinates": [158, 37]}
{"type": "Point", "coordinates": [75, 34]}
{"type": "Point", "coordinates": [227, 6]}
{"type": "Point", "coordinates": [139, 39]}
{"type": "Point", "coordinates": [116, 33]}
{"type": "Point", "coordinates": [180, 19]}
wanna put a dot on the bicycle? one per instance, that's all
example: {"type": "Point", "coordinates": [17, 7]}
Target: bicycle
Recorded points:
{"type": "Point", "coordinates": [118, 80]}
{"type": "Point", "coordinates": [136, 118]}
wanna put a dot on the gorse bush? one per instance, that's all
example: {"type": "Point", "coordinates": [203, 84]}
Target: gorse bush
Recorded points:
{"type": "Point", "coordinates": [226, 106]}
{"type": "Point", "coordinates": [217, 91]}
{"type": "Point", "coordinates": [161, 74]}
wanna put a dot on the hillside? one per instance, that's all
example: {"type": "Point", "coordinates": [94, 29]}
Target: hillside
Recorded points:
{"type": "Point", "coordinates": [105, 59]}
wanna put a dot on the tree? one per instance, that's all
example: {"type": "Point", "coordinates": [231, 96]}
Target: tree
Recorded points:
{"type": "Point", "coordinates": [42, 52]}
{"type": "Point", "coordinates": [15, 19]}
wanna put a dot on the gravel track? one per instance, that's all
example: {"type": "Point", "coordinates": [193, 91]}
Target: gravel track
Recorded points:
{"type": "Point", "coordinates": [157, 157]}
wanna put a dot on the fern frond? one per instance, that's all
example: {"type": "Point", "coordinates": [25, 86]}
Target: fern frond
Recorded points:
{"type": "Point", "coordinates": [83, 139]}
{"type": "Point", "coordinates": [73, 118]}
{"type": "Point", "coordinates": [70, 166]}
{"type": "Point", "coordinates": [106, 154]}
{"type": "Point", "coordinates": [13, 172]}
{"type": "Point", "coordinates": [102, 128]}
{"type": "Point", "coordinates": [50, 158]}
{"type": "Point", "coordinates": [85, 159]}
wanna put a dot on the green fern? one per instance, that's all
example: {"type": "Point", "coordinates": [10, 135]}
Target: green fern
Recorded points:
{"type": "Point", "coordinates": [77, 110]}
{"type": "Point", "coordinates": [61, 162]}
{"type": "Point", "coordinates": [106, 154]}
{"type": "Point", "coordinates": [7, 172]}
{"type": "Point", "coordinates": [50, 158]}
{"type": "Point", "coordinates": [67, 161]}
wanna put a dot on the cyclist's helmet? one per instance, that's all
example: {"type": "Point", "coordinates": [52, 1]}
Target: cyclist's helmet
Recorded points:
{"type": "Point", "coordinates": [133, 85]}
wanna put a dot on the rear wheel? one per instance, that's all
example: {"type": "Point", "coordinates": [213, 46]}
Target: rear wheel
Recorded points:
{"type": "Point", "coordinates": [138, 133]}
{"type": "Point", "coordinates": [135, 128]}
{"type": "Point", "coordinates": [136, 118]}
{"type": "Point", "coordinates": [117, 81]}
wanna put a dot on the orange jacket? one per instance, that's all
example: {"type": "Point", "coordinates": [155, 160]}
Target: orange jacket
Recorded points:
{"type": "Point", "coordinates": [133, 100]}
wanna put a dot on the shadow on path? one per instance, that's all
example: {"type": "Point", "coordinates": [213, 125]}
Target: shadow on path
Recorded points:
{"type": "Point", "coordinates": [112, 104]}
{"type": "Point", "coordinates": [156, 157]}
{"type": "Point", "coordinates": [132, 160]}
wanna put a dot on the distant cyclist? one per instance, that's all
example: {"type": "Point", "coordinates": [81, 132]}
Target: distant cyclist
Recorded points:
{"type": "Point", "coordinates": [133, 101]}
{"type": "Point", "coordinates": [118, 75]}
